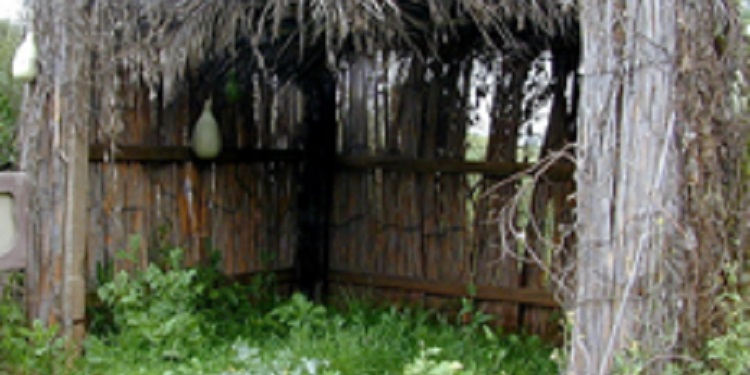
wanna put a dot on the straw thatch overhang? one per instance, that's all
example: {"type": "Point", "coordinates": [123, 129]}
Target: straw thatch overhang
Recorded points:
{"type": "Point", "coordinates": [286, 37]}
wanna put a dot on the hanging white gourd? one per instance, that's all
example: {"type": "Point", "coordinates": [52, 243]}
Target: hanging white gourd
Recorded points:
{"type": "Point", "coordinates": [206, 134]}
{"type": "Point", "coordinates": [24, 61]}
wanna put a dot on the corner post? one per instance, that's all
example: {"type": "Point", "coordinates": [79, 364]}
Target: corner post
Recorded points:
{"type": "Point", "coordinates": [315, 195]}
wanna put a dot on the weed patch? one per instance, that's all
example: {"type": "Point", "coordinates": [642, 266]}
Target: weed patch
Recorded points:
{"type": "Point", "coordinates": [173, 320]}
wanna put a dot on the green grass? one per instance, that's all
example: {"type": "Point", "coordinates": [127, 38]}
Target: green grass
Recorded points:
{"type": "Point", "coordinates": [170, 320]}
{"type": "Point", "coordinates": [343, 342]}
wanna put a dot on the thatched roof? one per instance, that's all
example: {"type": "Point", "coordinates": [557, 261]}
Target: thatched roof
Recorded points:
{"type": "Point", "coordinates": [165, 37]}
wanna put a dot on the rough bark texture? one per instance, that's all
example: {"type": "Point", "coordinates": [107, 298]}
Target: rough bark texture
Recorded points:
{"type": "Point", "coordinates": [628, 270]}
{"type": "Point", "coordinates": [660, 193]}
{"type": "Point", "coordinates": [55, 154]}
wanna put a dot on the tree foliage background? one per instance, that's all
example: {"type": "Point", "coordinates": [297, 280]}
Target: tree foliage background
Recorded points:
{"type": "Point", "coordinates": [10, 92]}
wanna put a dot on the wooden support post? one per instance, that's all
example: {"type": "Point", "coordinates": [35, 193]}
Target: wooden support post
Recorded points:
{"type": "Point", "coordinates": [53, 134]}
{"type": "Point", "coordinates": [58, 230]}
{"type": "Point", "coordinates": [630, 260]}
{"type": "Point", "coordinates": [315, 197]}
{"type": "Point", "coordinates": [75, 232]}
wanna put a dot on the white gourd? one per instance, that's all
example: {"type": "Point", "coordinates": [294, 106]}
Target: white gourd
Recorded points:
{"type": "Point", "coordinates": [24, 61]}
{"type": "Point", "coordinates": [206, 134]}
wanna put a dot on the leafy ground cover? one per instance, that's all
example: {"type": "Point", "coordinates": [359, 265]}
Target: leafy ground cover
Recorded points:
{"type": "Point", "coordinates": [172, 320]}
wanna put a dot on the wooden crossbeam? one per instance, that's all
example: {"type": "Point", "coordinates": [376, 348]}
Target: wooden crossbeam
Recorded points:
{"type": "Point", "coordinates": [529, 296]}
{"type": "Point", "coordinates": [179, 154]}
{"type": "Point", "coordinates": [451, 166]}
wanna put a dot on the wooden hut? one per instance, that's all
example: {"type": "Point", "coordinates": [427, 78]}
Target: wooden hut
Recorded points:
{"type": "Point", "coordinates": [345, 127]}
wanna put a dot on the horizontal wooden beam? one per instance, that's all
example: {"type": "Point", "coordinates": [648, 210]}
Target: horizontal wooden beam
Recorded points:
{"type": "Point", "coordinates": [178, 154]}
{"type": "Point", "coordinates": [499, 169]}
{"type": "Point", "coordinates": [527, 296]}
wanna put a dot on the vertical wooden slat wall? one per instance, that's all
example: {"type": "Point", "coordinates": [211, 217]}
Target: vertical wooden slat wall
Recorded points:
{"type": "Point", "coordinates": [495, 264]}
{"type": "Point", "coordinates": [406, 224]}
{"type": "Point", "coordinates": [552, 202]}
{"type": "Point", "coordinates": [430, 227]}
{"type": "Point", "coordinates": [245, 211]}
